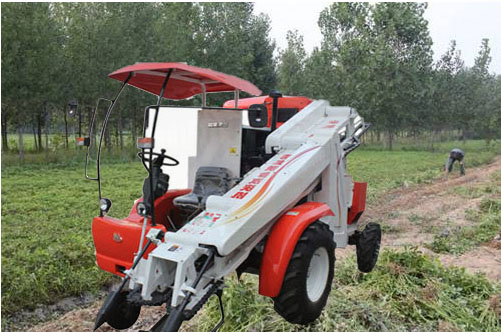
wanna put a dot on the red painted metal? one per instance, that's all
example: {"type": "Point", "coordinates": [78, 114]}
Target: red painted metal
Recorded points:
{"type": "Point", "coordinates": [358, 202]}
{"type": "Point", "coordinates": [284, 102]}
{"type": "Point", "coordinates": [117, 240]}
{"type": "Point", "coordinates": [163, 206]}
{"type": "Point", "coordinates": [185, 81]}
{"type": "Point", "coordinates": [282, 241]}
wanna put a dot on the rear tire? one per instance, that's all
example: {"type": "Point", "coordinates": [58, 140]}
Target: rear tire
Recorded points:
{"type": "Point", "coordinates": [124, 314]}
{"type": "Point", "coordinates": [307, 281]}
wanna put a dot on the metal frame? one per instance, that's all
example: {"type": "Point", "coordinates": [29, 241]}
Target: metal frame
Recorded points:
{"type": "Point", "coordinates": [103, 130]}
{"type": "Point", "coordinates": [177, 75]}
{"type": "Point", "coordinates": [150, 159]}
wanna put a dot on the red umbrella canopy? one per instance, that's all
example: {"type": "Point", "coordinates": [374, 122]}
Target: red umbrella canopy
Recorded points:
{"type": "Point", "coordinates": [185, 81]}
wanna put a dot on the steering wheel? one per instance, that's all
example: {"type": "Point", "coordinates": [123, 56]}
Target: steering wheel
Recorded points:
{"type": "Point", "coordinates": [145, 155]}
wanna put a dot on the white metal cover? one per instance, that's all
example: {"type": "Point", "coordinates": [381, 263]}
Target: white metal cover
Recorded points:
{"type": "Point", "coordinates": [197, 137]}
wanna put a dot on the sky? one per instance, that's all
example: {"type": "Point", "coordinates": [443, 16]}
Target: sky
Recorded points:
{"type": "Point", "coordinates": [466, 22]}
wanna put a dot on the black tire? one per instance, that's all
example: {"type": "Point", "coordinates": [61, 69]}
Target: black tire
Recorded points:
{"type": "Point", "coordinates": [368, 244]}
{"type": "Point", "coordinates": [124, 314]}
{"type": "Point", "coordinates": [293, 303]}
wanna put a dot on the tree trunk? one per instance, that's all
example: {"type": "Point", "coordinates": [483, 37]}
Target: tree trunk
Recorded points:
{"type": "Point", "coordinates": [89, 117]}
{"type": "Point", "coordinates": [133, 128]}
{"type": "Point", "coordinates": [79, 124]}
{"type": "Point", "coordinates": [39, 131]}
{"type": "Point", "coordinates": [390, 140]}
{"type": "Point", "coordinates": [65, 129]}
{"type": "Point", "coordinates": [20, 143]}
{"type": "Point", "coordinates": [46, 136]}
{"type": "Point", "coordinates": [5, 140]}
{"type": "Point", "coordinates": [47, 129]}
{"type": "Point", "coordinates": [35, 144]}
{"type": "Point", "coordinates": [107, 137]}
{"type": "Point", "coordinates": [120, 130]}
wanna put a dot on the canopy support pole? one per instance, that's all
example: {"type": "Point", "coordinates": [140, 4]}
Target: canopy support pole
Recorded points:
{"type": "Point", "coordinates": [236, 92]}
{"type": "Point", "coordinates": [150, 159]}
{"type": "Point", "coordinates": [204, 95]}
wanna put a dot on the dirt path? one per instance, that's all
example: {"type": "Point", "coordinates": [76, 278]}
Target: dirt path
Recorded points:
{"type": "Point", "coordinates": [410, 216]}
{"type": "Point", "coordinates": [414, 216]}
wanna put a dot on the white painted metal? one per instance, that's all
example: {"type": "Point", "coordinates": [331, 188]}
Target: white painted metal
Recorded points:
{"type": "Point", "coordinates": [176, 132]}
{"type": "Point", "coordinates": [197, 137]}
{"type": "Point", "coordinates": [318, 273]}
{"type": "Point", "coordinates": [309, 148]}
{"type": "Point", "coordinates": [218, 143]}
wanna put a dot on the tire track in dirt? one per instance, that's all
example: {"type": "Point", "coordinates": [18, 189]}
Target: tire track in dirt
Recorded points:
{"type": "Point", "coordinates": [412, 216]}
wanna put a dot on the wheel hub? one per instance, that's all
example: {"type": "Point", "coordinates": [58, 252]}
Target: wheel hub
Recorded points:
{"type": "Point", "coordinates": [318, 273]}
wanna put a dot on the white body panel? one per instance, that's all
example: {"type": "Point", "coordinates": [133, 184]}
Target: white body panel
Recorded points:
{"type": "Point", "coordinates": [197, 137]}
{"type": "Point", "coordinates": [230, 220]}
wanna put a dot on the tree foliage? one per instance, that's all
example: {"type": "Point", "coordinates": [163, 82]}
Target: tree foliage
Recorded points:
{"type": "Point", "coordinates": [378, 59]}
{"type": "Point", "coordinates": [375, 57]}
{"type": "Point", "coordinates": [52, 53]}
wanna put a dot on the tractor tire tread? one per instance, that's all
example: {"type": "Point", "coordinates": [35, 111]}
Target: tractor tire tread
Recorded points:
{"type": "Point", "coordinates": [368, 244]}
{"type": "Point", "coordinates": [295, 307]}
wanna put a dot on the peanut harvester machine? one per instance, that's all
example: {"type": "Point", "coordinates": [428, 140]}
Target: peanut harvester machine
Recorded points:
{"type": "Point", "coordinates": [258, 186]}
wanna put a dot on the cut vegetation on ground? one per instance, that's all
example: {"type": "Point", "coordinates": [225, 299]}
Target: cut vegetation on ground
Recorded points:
{"type": "Point", "coordinates": [47, 251]}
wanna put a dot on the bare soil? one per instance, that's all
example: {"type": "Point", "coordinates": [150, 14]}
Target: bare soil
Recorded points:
{"type": "Point", "coordinates": [410, 216]}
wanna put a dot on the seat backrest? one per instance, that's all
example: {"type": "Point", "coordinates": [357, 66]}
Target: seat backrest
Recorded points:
{"type": "Point", "coordinates": [211, 181]}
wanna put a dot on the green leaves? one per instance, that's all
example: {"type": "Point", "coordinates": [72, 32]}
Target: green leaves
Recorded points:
{"type": "Point", "coordinates": [291, 65]}
{"type": "Point", "coordinates": [52, 53]}
{"type": "Point", "coordinates": [378, 59]}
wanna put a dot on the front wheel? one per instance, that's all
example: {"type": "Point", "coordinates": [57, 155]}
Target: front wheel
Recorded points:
{"type": "Point", "coordinates": [307, 281]}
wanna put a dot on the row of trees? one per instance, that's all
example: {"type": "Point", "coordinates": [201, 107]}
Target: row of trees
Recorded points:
{"type": "Point", "coordinates": [378, 58]}
{"type": "Point", "coordinates": [375, 57]}
{"type": "Point", "coordinates": [54, 52]}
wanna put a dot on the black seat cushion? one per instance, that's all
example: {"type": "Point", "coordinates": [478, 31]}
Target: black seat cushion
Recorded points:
{"type": "Point", "coordinates": [208, 181]}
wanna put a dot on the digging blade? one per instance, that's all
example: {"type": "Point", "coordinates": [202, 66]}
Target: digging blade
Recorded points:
{"type": "Point", "coordinates": [105, 309]}
{"type": "Point", "coordinates": [112, 298]}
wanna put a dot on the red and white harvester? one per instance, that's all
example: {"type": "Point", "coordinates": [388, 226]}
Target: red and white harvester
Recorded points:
{"type": "Point", "coordinates": [259, 186]}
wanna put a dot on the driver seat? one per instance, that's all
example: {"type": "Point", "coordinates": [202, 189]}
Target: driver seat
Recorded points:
{"type": "Point", "coordinates": [208, 181]}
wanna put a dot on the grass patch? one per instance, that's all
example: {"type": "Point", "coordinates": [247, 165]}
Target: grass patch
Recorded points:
{"type": "Point", "coordinates": [47, 248]}
{"type": "Point", "coordinates": [390, 229]}
{"type": "Point", "coordinates": [407, 291]}
{"type": "Point", "coordinates": [487, 223]}
{"type": "Point", "coordinates": [385, 170]}
{"type": "Point", "coordinates": [67, 157]}
{"type": "Point", "coordinates": [494, 187]}
{"type": "Point", "coordinates": [419, 219]}
{"type": "Point", "coordinates": [486, 220]}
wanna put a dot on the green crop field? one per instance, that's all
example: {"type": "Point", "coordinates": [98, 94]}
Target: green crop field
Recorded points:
{"type": "Point", "coordinates": [407, 291]}
{"type": "Point", "coordinates": [48, 254]}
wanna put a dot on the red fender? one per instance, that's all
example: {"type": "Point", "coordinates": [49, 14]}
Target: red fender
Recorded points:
{"type": "Point", "coordinates": [282, 241]}
{"type": "Point", "coordinates": [358, 202]}
{"type": "Point", "coordinates": [117, 240]}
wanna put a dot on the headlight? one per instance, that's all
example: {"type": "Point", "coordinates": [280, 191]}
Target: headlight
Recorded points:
{"type": "Point", "coordinates": [104, 205]}
{"type": "Point", "coordinates": [141, 209]}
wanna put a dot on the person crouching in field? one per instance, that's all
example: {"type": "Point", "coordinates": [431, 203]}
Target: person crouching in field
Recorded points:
{"type": "Point", "coordinates": [455, 155]}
